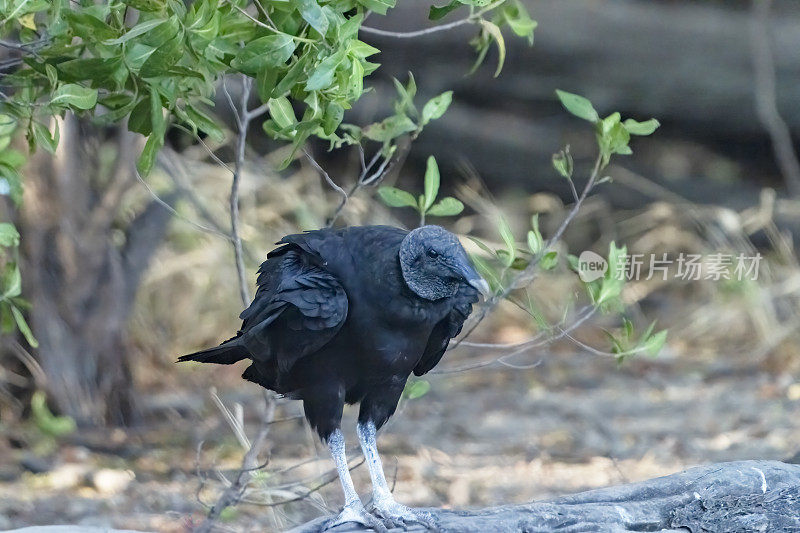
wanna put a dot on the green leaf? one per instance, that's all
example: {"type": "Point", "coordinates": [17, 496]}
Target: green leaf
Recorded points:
{"type": "Point", "coordinates": [361, 49]}
{"type": "Point", "coordinates": [291, 77]}
{"type": "Point", "coordinates": [140, 117]}
{"type": "Point", "coordinates": [46, 421]}
{"type": "Point", "coordinates": [437, 13]}
{"type": "Point", "coordinates": [535, 240]}
{"type": "Point", "coordinates": [322, 77]}
{"type": "Point", "coordinates": [378, 6]}
{"type": "Point", "coordinates": [563, 163]}
{"type": "Point", "coordinates": [139, 29]}
{"type": "Point", "coordinates": [446, 207]}
{"type": "Point", "coordinates": [431, 183]}
{"type": "Point", "coordinates": [655, 343]}
{"type": "Point", "coordinates": [578, 106]}
{"type": "Point", "coordinates": [88, 27]}
{"type": "Point", "coordinates": [519, 20]}
{"type": "Point", "coordinates": [23, 327]}
{"type": "Point", "coordinates": [205, 123]}
{"type": "Point", "coordinates": [92, 68]}
{"type": "Point", "coordinates": [394, 197]}
{"type": "Point", "coordinates": [147, 159]}
{"type": "Point", "coordinates": [12, 281]}
{"type": "Point", "coordinates": [482, 245]}
{"type": "Point", "coordinates": [9, 236]}
{"type": "Point", "coordinates": [280, 109]}
{"type": "Point", "coordinates": [492, 29]}
{"type": "Point", "coordinates": [486, 271]}
{"type": "Point", "coordinates": [75, 96]}
{"type": "Point", "coordinates": [641, 128]}
{"type": "Point", "coordinates": [436, 107]}
{"type": "Point", "coordinates": [333, 117]}
{"type": "Point", "coordinates": [52, 74]}
{"type": "Point", "coordinates": [508, 238]}
{"type": "Point", "coordinates": [417, 389]}
{"type": "Point", "coordinates": [163, 58]}
{"type": "Point", "coordinates": [613, 137]}
{"type": "Point", "coordinates": [549, 260]}
{"type": "Point", "coordinates": [313, 14]}
{"type": "Point", "coordinates": [43, 137]}
{"type": "Point", "coordinates": [271, 51]}
{"type": "Point", "coordinates": [389, 128]}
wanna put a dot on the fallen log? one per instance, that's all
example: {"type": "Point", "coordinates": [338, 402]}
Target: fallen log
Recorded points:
{"type": "Point", "coordinates": [736, 496]}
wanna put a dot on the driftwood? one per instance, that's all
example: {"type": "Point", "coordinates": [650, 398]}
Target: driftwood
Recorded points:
{"type": "Point", "coordinates": [737, 496]}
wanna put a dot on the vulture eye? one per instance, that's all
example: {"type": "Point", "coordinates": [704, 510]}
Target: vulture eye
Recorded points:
{"type": "Point", "coordinates": [433, 254]}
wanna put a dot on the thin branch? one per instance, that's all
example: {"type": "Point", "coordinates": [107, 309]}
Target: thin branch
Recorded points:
{"type": "Point", "coordinates": [522, 347]}
{"type": "Point", "coordinates": [241, 143]}
{"type": "Point", "coordinates": [766, 97]}
{"type": "Point", "coordinates": [234, 492]}
{"type": "Point", "coordinates": [172, 210]}
{"type": "Point", "coordinates": [270, 28]}
{"type": "Point", "coordinates": [418, 33]}
{"type": "Point", "coordinates": [325, 175]}
{"type": "Point", "coordinates": [471, 19]}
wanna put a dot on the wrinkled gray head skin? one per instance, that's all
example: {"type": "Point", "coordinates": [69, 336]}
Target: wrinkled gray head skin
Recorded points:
{"type": "Point", "coordinates": [434, 262]}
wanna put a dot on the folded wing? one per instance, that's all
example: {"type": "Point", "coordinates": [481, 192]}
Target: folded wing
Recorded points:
{"type": "Point", "coordinates": [446, 329]}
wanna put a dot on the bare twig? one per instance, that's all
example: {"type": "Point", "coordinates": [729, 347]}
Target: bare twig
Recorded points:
{"type": "Point", "coordinates": [366, 179]}
{"type": "Point", "coordinates": [523, 347]}
{"type": "Point", "coordinates": [234, 492]}
{"type": "Point", "coordinates": [473, 18]}
{"type": "Point", "coordinates": [418, 33]}
{"type": "Point", "coordinates": [174, 212]}
{"type": "Point", "coordinates": [766, 97]}
{"type": "Point", "coordinates": [243, 121]}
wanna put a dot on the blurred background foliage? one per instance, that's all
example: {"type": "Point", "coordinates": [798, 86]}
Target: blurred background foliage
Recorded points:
{"type": "Point", "coordinates": [124, 241]}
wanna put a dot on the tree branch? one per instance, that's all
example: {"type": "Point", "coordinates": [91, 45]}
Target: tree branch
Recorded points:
{"type": "Point", "coordinates": [243, 121]}
{"type": "Point", "coordinates": [417, 33]}
{"type": "Point", "coordinates": [766, 97]}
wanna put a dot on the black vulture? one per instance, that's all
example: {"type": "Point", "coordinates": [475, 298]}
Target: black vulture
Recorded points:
{"type": "Point", "coordinates": [346, 315]}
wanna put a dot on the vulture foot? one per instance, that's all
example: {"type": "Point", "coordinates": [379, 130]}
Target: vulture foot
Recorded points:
{"type": "Point", "coordinates": [355, 512]}
{"type": "Point", "coordinates": [401, 515]}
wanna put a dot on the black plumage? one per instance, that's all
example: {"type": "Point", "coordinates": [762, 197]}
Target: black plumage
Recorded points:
{"type": "Point", "coordinates": [346, 315]}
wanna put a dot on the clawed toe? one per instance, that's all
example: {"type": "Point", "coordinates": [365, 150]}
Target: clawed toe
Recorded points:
{"type": "Point", "coordinates": [358, 514]}
{"type": "Point", "coordinates": [401, 516]}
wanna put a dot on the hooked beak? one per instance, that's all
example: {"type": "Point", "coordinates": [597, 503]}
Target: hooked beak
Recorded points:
{"type": "Point", "coordinates": [483, 287]}
{"type": "Point", "coordinates": [468, 273]}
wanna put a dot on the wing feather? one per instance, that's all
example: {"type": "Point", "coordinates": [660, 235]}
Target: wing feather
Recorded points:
{"type": "Point", "coordinates": [446, 329]}
{"type": "Point", "coordinates": [299, 307]}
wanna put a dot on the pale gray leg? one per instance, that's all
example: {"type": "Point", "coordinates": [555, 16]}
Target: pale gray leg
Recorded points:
{"type": "Point", "coordinates": [354, 510]}
{"type": "Point", "coordinates": [385, 504]}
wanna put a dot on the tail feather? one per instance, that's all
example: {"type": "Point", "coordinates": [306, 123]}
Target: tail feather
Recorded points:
{"type": "Point", "coordinates": [225, 354]}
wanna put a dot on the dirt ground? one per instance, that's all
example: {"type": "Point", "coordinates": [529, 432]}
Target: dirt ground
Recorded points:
{"type": "Point", "coordinates": [485, 437]}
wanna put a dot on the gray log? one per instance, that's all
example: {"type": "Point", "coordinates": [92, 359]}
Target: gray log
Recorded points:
{"type": "Point", "coordinates": [738, 496]}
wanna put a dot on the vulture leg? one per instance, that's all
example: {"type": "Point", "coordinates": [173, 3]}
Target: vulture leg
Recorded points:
{"type": "Point", "coordinates": [384, 502]}
{"type": "Point", "coordinates": [354, 510]}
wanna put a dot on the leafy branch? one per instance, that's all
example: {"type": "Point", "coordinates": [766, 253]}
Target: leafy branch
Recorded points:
{"type": "Point", "coordinates": [507, 271]}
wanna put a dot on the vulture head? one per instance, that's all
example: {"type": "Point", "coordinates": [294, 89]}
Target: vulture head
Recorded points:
{"type": "Point", "coordinates": [434, 263]}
